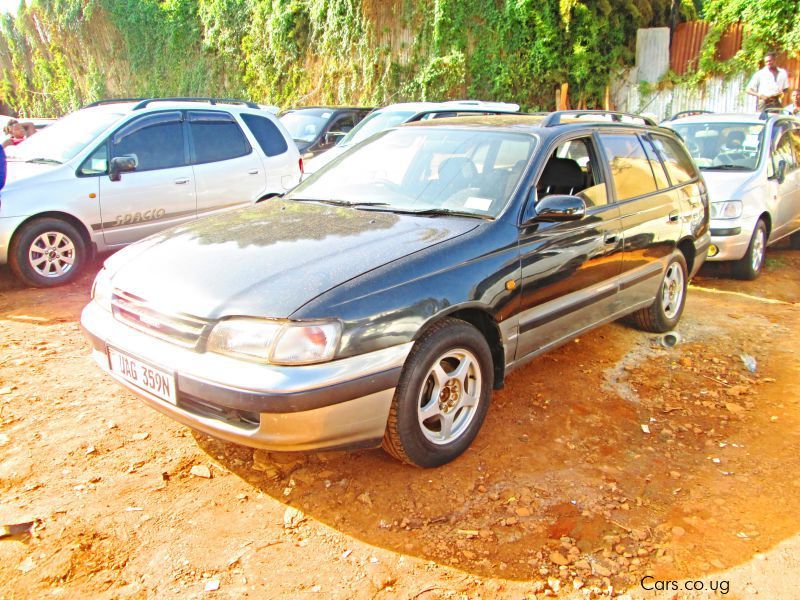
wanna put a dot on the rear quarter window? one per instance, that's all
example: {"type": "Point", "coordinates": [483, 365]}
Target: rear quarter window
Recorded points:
{"type": "Point", "coordinates": [267, 135]}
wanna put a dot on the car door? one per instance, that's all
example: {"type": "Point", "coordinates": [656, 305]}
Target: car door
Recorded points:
{"type": "Point", "coordinates": [570, 270]}
{"type": "Point", "coordinates": [650, 212]}
{"type": "Point", "coordinates": [227, 170]}
{"type": "Point", "coordinates": [160, 192]}
{"type": "Point", "coordinates": [784, 191]}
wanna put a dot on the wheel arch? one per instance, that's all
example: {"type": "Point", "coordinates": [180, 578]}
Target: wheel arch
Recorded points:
{"type": "Point", "coordinates": [482, 320]}
{"type": "Point", "coordinates": [686, 247]}
{"type": "Point", "coordinates": [54, 214]}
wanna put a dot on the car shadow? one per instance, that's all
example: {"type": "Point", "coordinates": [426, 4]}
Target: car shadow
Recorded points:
{"type": "Point", "coordinates": [567, 476]}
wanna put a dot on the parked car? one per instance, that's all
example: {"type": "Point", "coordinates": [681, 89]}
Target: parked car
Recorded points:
{"type": "Point", "coordinates": [318, 128]}
{"type": "Point", "coordinates": [751, 165]}
{"type": "Point", "coordinates": [382, 300]}
{"type": "Point", "coordinates": [115, 172]}
{"type": "Point", "coordinates": [397, 114]}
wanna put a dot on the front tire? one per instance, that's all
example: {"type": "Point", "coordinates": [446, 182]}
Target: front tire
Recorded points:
{"type": "Point", "coordinates": [442, 397]}
{"type": "Point", "coordinates": [666, 310]}
{"type": "Point", "coordinates": [749, 267]}
{"type": "Point", "coordinates": [794, 241]}
{"type": "Point", "coordinates": [47, 252]}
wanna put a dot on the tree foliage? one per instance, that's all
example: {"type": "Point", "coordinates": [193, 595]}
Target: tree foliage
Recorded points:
{"type": "Point", "coordinates": [58, 54]}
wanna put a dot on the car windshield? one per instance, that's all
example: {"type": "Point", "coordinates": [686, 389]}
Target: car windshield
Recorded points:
{"type": "Point", "coordinates": [65, 138]}
{"type": "Point", "coordinates": [375, 122]}
{"type": "Point", "coordinates": [723, 146]}
{"type": "Point", "coordinates": [430, 170]}
{"type": "Point", "coordinates": [304, 126]}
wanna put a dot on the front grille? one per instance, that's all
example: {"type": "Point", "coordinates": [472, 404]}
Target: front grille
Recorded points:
{"type": "Point", "coordinates": [183, 330]}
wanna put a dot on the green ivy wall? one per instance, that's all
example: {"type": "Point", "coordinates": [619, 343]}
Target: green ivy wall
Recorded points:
{"type": "Point", "coordinates": [56, 55]}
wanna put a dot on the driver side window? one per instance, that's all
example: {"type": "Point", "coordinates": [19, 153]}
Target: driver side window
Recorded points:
{"type": "Point", "coordinates": [783, 152]}
{"type": "Point", "coordinates": [571, 169]}
{"type": "Point", "coordinates": [155, 140]}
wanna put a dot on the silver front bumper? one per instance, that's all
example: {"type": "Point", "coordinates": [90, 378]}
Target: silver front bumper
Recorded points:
{"type": "Point", "coordinates": [731, 247]}
{"type": "Point", "coordinates": [340, 404]}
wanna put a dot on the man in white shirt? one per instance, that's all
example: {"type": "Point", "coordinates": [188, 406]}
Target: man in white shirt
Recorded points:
{"type": "Point", "coordinates": [794, 107]}
{"type": "Point", "coordinates": [769, 84]}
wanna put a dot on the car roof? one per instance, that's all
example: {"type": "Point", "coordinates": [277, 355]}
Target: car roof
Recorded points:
{"type": "Point", "coordinates": [325, 108]}
{"type": "Point", "coordinates": [452, 105]}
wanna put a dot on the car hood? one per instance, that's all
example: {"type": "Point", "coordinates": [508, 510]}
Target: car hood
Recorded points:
{"type": "Point", "coordinates": [270, 259]}
{"type": "Point", "coordinates": [17, 171]}
{"type": "Point", "coordinates": [728, 185]}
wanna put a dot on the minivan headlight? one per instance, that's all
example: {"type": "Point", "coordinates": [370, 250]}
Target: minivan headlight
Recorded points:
{"type": "Point", "coordinates": [276, 342]}
{"type": "Point", "coordinates": [729, 209]}
{"type": "Point", "coordinates": [101, 289]}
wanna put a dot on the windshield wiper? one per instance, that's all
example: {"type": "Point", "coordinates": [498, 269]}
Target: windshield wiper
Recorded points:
{"type": "Point", "coordinates": [727, 168]}
{"type": "Point", "coordinates": [438, 211]}
{"type": "Point", "coordinates": [44, 161]}
{"type": "Point", "coordinates": [340, 202]}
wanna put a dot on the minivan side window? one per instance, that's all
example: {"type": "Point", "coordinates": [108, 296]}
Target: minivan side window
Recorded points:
{"type": "Point", "coordinates": [678, 164]}
{"type": "Point", "coordinates": [630, 168]}
{"type": "Point", "coordinates": [783, 152]}
{"type": "Point", "coordinates": [215, 137]}
{"type": "Point", "coordinates": [156, 140]}
{"type": "Point", "coordinates": [267, 134]}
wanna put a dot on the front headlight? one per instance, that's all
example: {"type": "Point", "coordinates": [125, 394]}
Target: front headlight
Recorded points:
{"type": "Point", "coordinates": [276, 342]}
{"type": "Point", "coordinates": [730, 209]}
{"type": "Point", "coordinates": [101, 289]}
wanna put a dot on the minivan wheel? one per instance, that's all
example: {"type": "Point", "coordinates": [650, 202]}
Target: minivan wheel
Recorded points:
{"type": "Point", "coordinates": [442, 397]}
{"type": "Point", "coordinates": [47, 252]}
{"type": "Point", "coordinates": [749, 267]}
{"type": "Point", "coordinates": [666, 310]}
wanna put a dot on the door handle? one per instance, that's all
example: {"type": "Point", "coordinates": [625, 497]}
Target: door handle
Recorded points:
{"type": "Point", "coordinates": [610, 238]}
{"type": "Point", "coordinates": [253, 172]}
{"type": "Point", "coordinates": [182, 181]}
{"type": "Point", "coordinates": [674, 216]}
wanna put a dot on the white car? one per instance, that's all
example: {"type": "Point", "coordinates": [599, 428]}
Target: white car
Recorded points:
{"type": "Point", "coordinates": [117, 171]}
{"type": "Point", "coordinates": [751, 165]}
{"type": "Point", "coordinates": [396, 114]}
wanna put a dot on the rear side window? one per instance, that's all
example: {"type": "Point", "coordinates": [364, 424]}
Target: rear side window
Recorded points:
{"type": "Point", "coordinates": [216, 137]}
{"type": "Point", "coordinates": [267, 135]}
{"type": "Point", "coordinates": [156, 141]}
{"type": "Point", "coordinates": [630, 168]}
{"type": "Point", "coordinates": [679, 166]}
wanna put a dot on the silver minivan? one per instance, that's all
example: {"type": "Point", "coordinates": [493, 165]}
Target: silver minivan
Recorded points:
{"type": "Point", "coordinates": [117, 171]}
{"type": "Point", "coordinates": [751, 165]}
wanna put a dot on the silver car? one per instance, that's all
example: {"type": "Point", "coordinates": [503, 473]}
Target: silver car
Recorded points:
{"type": "Point", "coordinates": [117, 171]}
{"type": "Point", "coordinates": [751, 165]}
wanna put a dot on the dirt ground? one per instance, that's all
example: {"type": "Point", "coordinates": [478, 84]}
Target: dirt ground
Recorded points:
{"type": "Point", "coordinates": [611, 466]}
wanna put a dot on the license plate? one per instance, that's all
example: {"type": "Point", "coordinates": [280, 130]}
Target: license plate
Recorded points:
{"type": "Point", "coordinates": [155, 381]}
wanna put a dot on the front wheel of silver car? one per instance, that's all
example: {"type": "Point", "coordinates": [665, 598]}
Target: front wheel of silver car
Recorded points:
{"type": "Point", "coordinates": [667, 307]}
{"type": "Point", "coordinates": [749, 267]}
{"type": "Point", "coordinates": [442, 397]}
{"type": "Point", "coordinates": [47, 252]}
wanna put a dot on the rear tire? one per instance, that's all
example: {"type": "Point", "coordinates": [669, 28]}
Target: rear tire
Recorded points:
{"type": "Point", "coordinates": [47, 252]}
{"type": "Point", "coordinates": [442, 397]}
{"type": "Point", "coordinates": [749, 267]}
{"type": "Point", "coordinates": [666, 310]}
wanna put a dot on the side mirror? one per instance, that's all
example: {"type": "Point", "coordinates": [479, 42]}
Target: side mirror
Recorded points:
{"type": "Point", "coordinates": [780, 172]}
{"type": "Point", "coordinates": [333, 137]}
{"type": "Point", "coordinates": [558, 208]}
{"type": "Point", "coordinates": [120, 165]}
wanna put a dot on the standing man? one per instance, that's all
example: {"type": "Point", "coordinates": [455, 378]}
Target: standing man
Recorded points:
{"type": "Point", "coordinates": [769, 84]}
{"type": "Point", "coordinates": [794, 107]}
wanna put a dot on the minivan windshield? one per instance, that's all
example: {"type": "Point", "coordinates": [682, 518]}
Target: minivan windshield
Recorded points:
{"type": "Point", "coordinates": [65, 138]}
{"type": "Point", "coordinates": [723, 146]}
{"type": "Point", "coordinates": [427, 170]}
{"type": "Point", "coordinates": [375, 122]}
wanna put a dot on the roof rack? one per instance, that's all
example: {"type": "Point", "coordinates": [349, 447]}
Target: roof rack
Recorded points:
{"type": "Point", "coordinates": [147, 101]}
{"type": "Point", "coordinates": [688, 113]}
{"type": "Point", "coordinates": [554, 118]}
{"type": "Point", "coordinates": [112, 101]}
{"type": "Point", "coordinates": [509, 106]}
